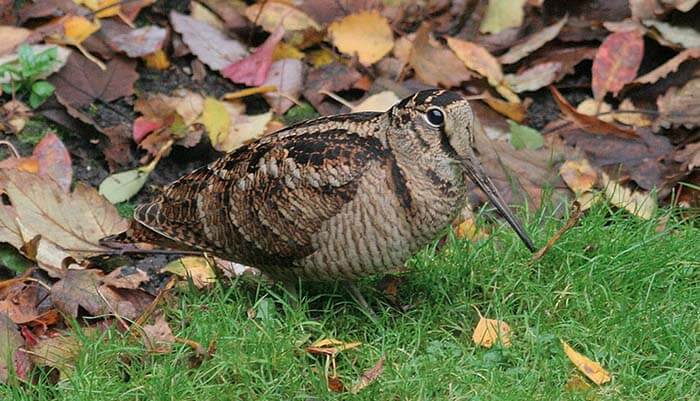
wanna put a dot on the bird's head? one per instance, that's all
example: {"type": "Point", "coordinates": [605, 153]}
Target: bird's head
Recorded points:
{"type": "Point", "coordinates": [442, 122]}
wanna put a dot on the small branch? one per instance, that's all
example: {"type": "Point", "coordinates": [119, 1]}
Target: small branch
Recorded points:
{"type": "Point", "coordinates": [573, 220]}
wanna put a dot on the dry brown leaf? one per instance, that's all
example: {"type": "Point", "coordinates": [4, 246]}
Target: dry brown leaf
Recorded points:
{"type": "Point", "coordinates": [591, 369]}
{"type": "Point", "coordinates": [640, 204]}
{"type": "Point", "coordinates": [532, 43]}
{"type": "Point", "coordinates": [579, 175]}
{"type": "Point", "coordinates": [70, 224]}
{"type": "Point", "coordinates": [276, 13]}
{"type": "Point", "coordinates": [576, 382]}
{"type": "Point", "coordinates": [158, 337]}
{"type": "Point", "coordinates": [534, 78]}
{"type": "Point", "coordinates": [11, 38]}
{"type": "Point", "coordinates": [433, 64]}
{"type": "Point", "coordinates": [515, 111]}
{"type": "Point", "coordinates": [366, 34]}
{"type": "Point", "coordinates": [488, 331]}
{"type": "Point", "coordinates": [128, 277]}
{"type": "Point", "coordinates": [209, 44]}
{"type": "Point", "coordinates": [589, 123]}
{"type": "Point", "coordinates": [680, 106]}
{"type": "Point", "coordinates": [590, 107]}
{"type": "Point", "coordinates": [478, 59]}
{"type": "Point", "coordinates": [59, 351]}
{"type": "Point", "coordinates": [369, 376]}
{"type": "Point", "coordinates": [669, 66]}
{"type": "Point", "coordinates": [14, 360]}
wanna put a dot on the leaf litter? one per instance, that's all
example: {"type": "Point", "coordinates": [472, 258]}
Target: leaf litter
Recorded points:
{"type": "Point", "coordinates": [288, 62]}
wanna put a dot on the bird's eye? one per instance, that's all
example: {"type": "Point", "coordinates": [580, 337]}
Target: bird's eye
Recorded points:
{"type": "Point", "coordinates": [435, 117]}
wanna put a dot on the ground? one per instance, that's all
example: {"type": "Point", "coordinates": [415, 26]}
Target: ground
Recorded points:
{"type": "Point", "coordinates": [623, 291]}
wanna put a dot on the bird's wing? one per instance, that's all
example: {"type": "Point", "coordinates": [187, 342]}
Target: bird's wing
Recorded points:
{"type": "Point", "coordinates": [262, 203]}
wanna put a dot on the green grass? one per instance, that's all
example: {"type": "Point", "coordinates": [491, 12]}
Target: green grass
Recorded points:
{"type": "Point", "coordinates": [612, 287]}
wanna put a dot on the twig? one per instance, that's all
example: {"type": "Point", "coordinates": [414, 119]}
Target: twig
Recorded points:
{"type": "Point", "coordinates": [575, 216]}
{"type": "Point", "coordinates": [12, 147]}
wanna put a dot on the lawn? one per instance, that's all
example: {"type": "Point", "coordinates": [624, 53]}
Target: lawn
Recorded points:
{"type": "Point", "coordinates": [623, 291]}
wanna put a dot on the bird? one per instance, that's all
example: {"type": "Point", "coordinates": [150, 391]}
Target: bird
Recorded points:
{"type": "Point", "coordinates": [336, 198]}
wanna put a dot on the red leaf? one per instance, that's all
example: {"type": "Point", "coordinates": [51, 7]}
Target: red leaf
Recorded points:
{"type": "Point", "coordinates": [144, 126]}
{"type": "Point", "coordinates": [253, 69]}
{"type": "Point", "coordinates": [616, 62]}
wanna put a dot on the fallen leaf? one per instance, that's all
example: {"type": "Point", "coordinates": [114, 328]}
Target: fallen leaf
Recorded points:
{"type": "Point", "coordinates": [202, 13]}
{"type": "Point", "coordinates": [502, 14]}
{"type": "Point", "coordinates": [568, 57]}
{"type": "Point", "coordinates": [590, 107]}
{"type": "Point", "coordinates": [380, 102]}
{"type": "Point", "coordinates": [12, 357]}
{"type": "Point", "coordinates": [158, 60]}
{"type": "Point", "coordinates": [669, 66]}
{"type": "Point", "coordinates": [196, 268]}
{"type": "Point", "coordinates": [335, 384]}
{"type": "Point", "coordinates": [680, 107]}
{"type": "Point", "coordinates": [62, 55]}
{"type": "Point", "coordinates": [127, 277]}
{"type": "Point", "coordinates": [141, 42]}
{"type": "Point", "coordinates": [478, 59]}
{"type": "Point", "coordinates": [488, 331]}
{"type": "Point", "coordinates": [682, 5]}
{"type": "Point", "coordinates": [591, 369]}
{"type": "Point", "coordinates": [252, 70]}
{"type": "Point", "coordinates": [616, 62]}
{"type": "Point", "coordinates": [81, 81]}
{"type": "Point", "coordinates": [514, 111]}
{"type": "Point", "coordinates": [331, 347]}
{"type": "Point", "coordinates": [534, 78]}
{"type": "Point", "coordinates": [524, 137]}
{"type": "Point", "coordinates": [271, 14]}
{"type": "Point", "coordinates": [158, 336]}
{"type": "Point", "coordinates": [59, 350]}
{"type": "Point", "coordinates": [334, 77]}
{"type": "Point", "coordinates": [640, 204]}
{"type": "Point", "coordinates": [11, 38]}
{"type": "Point", "coordinates": [166, 117]}
{"type": "Point", "coordinates": [626, 115]}
{"type": "Point", "coordinates": [369, 376]}
{"type": "Point", "coordinates": [216, 120]}
{"type": "Point", "coordinates": [121, 187]}
{"type": "Point", "coordinates": [70, 224]}
{"type": "Point", "coordinates": [209, 44]}
{"type": "Point", "coordinates": [287, 75]}
{"type": "Point", "coordinates": [467, 229]}
{"type": "Point", "coordinates": [20, 302]}
{"type": "Point", "coordinates": [579, 175]}
{"type": "Point", "coordinates": [77, 28]}
{"type": "Point", "coordinates": [532, 43]}
{"type": "Point", "coordinates": [244, 128]}
{"type": "Point", "coordinates": [576, 382]}
{"type": "Point", "coordinates": [366, 34]}
{"type": "Point", "coordinates": [433, 64]}
{"type": "Point", "coordinates": [49, 159]}
{"type": "Point", "coordinates": [589, 123]}
{"type": "Point", "coordinates": [684, 36]}
{"type": "Point", "coordinates": [102, 7]}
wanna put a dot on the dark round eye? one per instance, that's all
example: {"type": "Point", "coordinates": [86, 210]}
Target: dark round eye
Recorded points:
{"type": "Point", "coordinates": [435, 117]}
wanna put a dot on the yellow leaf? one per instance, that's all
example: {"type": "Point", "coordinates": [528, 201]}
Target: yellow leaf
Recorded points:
{"type": "Point", "coordinates": [76, 28]}
{"type": "Point", "coordinates": [578, 175]}
{"type": "Point", "coordinates": [196, 267]}
{"type": "Point", "coordinates": [103, 6]}
{"type": "Point", "coordinates": [243, 128]}
{"type": "Point", "coordinates": [488, 331]}
{"type": "Point", "coordinates": [591, 369]}
{"type": "Point", "coordinates": [477, 58]}
{"type": "Point", "coordinates": [157, 61]}
{"type": "Point", "coordinates": [216, 120]}
{"type": "Point", "coordinates": [284, 51]}
{"type": "Point", "coordinates": [502, 14]}
{"type": "Point", "coordinates": [321, 57]}
{"type": "Point", "coordinates": [577, 383]}
{"type": "Point", "coordinates": [275, 13]}
{"type": "Point", "coordinates": [640, 204]}
{"type": "Point", "coordinates": [625, 115]}
{"type": "Point", "coordinates": [467, 229]}
{"type": "Point", "coordinates": [331, 346]}
{"type": "Point", "coordinates": [201, 13]}
{"type": "Point", "coordinates": [591, 107]}
{"type": "Point", "coordinates": [366, 34]}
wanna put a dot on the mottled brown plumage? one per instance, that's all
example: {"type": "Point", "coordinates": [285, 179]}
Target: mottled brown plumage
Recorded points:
{"type": "Point", "coordinates": [335, 198]}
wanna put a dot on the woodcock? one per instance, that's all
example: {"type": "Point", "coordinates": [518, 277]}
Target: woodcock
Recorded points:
{"type": "Point", "coordinates": [335, 198]}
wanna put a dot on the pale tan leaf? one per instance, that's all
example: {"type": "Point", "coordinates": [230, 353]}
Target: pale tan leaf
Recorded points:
{"type": "Point", "coordinates": [680, 106]}
{"type": "Point", "coordinates": [532, 43]}
{"type": "Point", "coordinates": [380, 102]}
{"type": "Point", "coordinates": [669, 66]}
{"type": "Point", "coordinates": [158, 337]}
{"type": "Point", "coordinates": [590, 107]}
{"type": "Point", "coordinates": [366, 34]}
{"type": "Point", "coordinates": [591, 369]}
{"type": "Point", "coordinates": [534, 78]}
{"type": "Point", "coordinates": [331, 346]}
{"type": "Point", "coordinates": [627, 116]}
{"type": "Point", "coordinates": [196, 268]}
{"type": "Point", "coordinates": [488, 331]}
{"type": "Point", "coordinates": [70, 224]}
{"type": "Point", "coordinates": [11, 38]}
{"type": "Point", "coordinates": [640, 204]}
{"type": "Point", "coordinates": [270, 14]}
{"type": "Point", "coordinates": [686, 37]}
{"type": "Point", "coordinates": [578, 175]}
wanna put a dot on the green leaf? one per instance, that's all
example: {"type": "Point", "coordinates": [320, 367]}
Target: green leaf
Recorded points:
{"type": "Point", "coordinates": [13, 260]}
{"type": "Point", "coordinates": [522, 136]}
{"type": "Point", "coordinates": [299, 113]}
{"type": "Point", "coordinates": [122, 186]}
{"type": "Point", "coordinates": [43, 88]}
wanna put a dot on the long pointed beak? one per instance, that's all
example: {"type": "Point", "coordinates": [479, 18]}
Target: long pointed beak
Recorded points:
{"type": "Point", "coordinates": [477, 174]}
